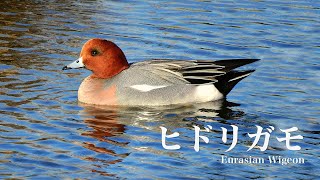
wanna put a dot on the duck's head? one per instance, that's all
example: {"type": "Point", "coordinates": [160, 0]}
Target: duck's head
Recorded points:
{"type": "Point", "coordinates": [104, 58]}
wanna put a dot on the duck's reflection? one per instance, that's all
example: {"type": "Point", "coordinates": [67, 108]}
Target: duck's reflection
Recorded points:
{"type": "Point", "coordinates": [108, 124]}
{"type": "Point", "coordinates": [104, 123]}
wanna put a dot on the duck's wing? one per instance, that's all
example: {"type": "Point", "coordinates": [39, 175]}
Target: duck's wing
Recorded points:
{"type": "Point", "coordinates": [195, 71]}
{"type": "Point", "coordinates": [163, 82]}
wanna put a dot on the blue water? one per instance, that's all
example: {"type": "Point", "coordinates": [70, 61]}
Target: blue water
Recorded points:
{"type": "Point", "coordinates": [46, 133]}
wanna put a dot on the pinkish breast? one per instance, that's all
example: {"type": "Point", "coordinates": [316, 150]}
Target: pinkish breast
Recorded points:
{"type": "Point", "coordinates": [93, 91]}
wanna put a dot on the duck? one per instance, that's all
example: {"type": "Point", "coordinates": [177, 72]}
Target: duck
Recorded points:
{"type": "Point", "coordinates": [156, 82]}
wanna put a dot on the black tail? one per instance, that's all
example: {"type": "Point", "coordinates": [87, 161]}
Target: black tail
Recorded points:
{"type": "Point", "coordinates": [220, 73]}
{"type": "Point", "coordinates": [230, 79]}
{"type": "Point", "coordinates": [234, 63]}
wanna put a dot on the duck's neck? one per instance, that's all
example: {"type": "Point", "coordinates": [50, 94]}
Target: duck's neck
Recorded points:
{"type": "Point", "coordinates": [109, 72]}
{"type": "Point", "coordinates": [114, 67]}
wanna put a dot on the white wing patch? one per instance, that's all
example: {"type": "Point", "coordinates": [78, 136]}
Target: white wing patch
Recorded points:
{"type": "Point", "coordinates": [145, 87]}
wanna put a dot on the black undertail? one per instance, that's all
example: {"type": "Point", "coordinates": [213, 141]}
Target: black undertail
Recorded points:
{"type": "Point", "coordinates": [226, 82]}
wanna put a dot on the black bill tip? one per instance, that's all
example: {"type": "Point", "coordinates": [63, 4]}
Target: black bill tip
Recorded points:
{"type": "Point", "coordinates": [65, 68]}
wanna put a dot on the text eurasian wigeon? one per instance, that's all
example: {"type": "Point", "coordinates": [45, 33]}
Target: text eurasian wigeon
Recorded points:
{"type": "Point", "coordinates": [155, 82]}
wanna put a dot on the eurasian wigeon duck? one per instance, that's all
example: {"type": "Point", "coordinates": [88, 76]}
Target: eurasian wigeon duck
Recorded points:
{"type": "Point", "coordinates": [154, 82]}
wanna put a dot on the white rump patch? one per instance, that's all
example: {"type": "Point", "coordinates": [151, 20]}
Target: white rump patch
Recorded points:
{"type": "Point", "coordinates": [145, 87]}
{"type": "Point", "coordinates": [207, 92]}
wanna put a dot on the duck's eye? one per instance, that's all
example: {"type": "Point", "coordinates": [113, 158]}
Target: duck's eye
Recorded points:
{"type": "Point", "coordinates": [94, 52]}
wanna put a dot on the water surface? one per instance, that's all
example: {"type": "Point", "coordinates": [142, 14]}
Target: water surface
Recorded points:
{"type": "Point", "coordinates": [46, 133]}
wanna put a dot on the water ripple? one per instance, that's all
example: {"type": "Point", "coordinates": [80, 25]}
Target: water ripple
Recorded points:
{"type": "Point", "coordinates": [46, 133]}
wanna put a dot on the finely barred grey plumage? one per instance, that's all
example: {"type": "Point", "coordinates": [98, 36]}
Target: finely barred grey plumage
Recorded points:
{"type": "Point", "coordinates": [177, 80]}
